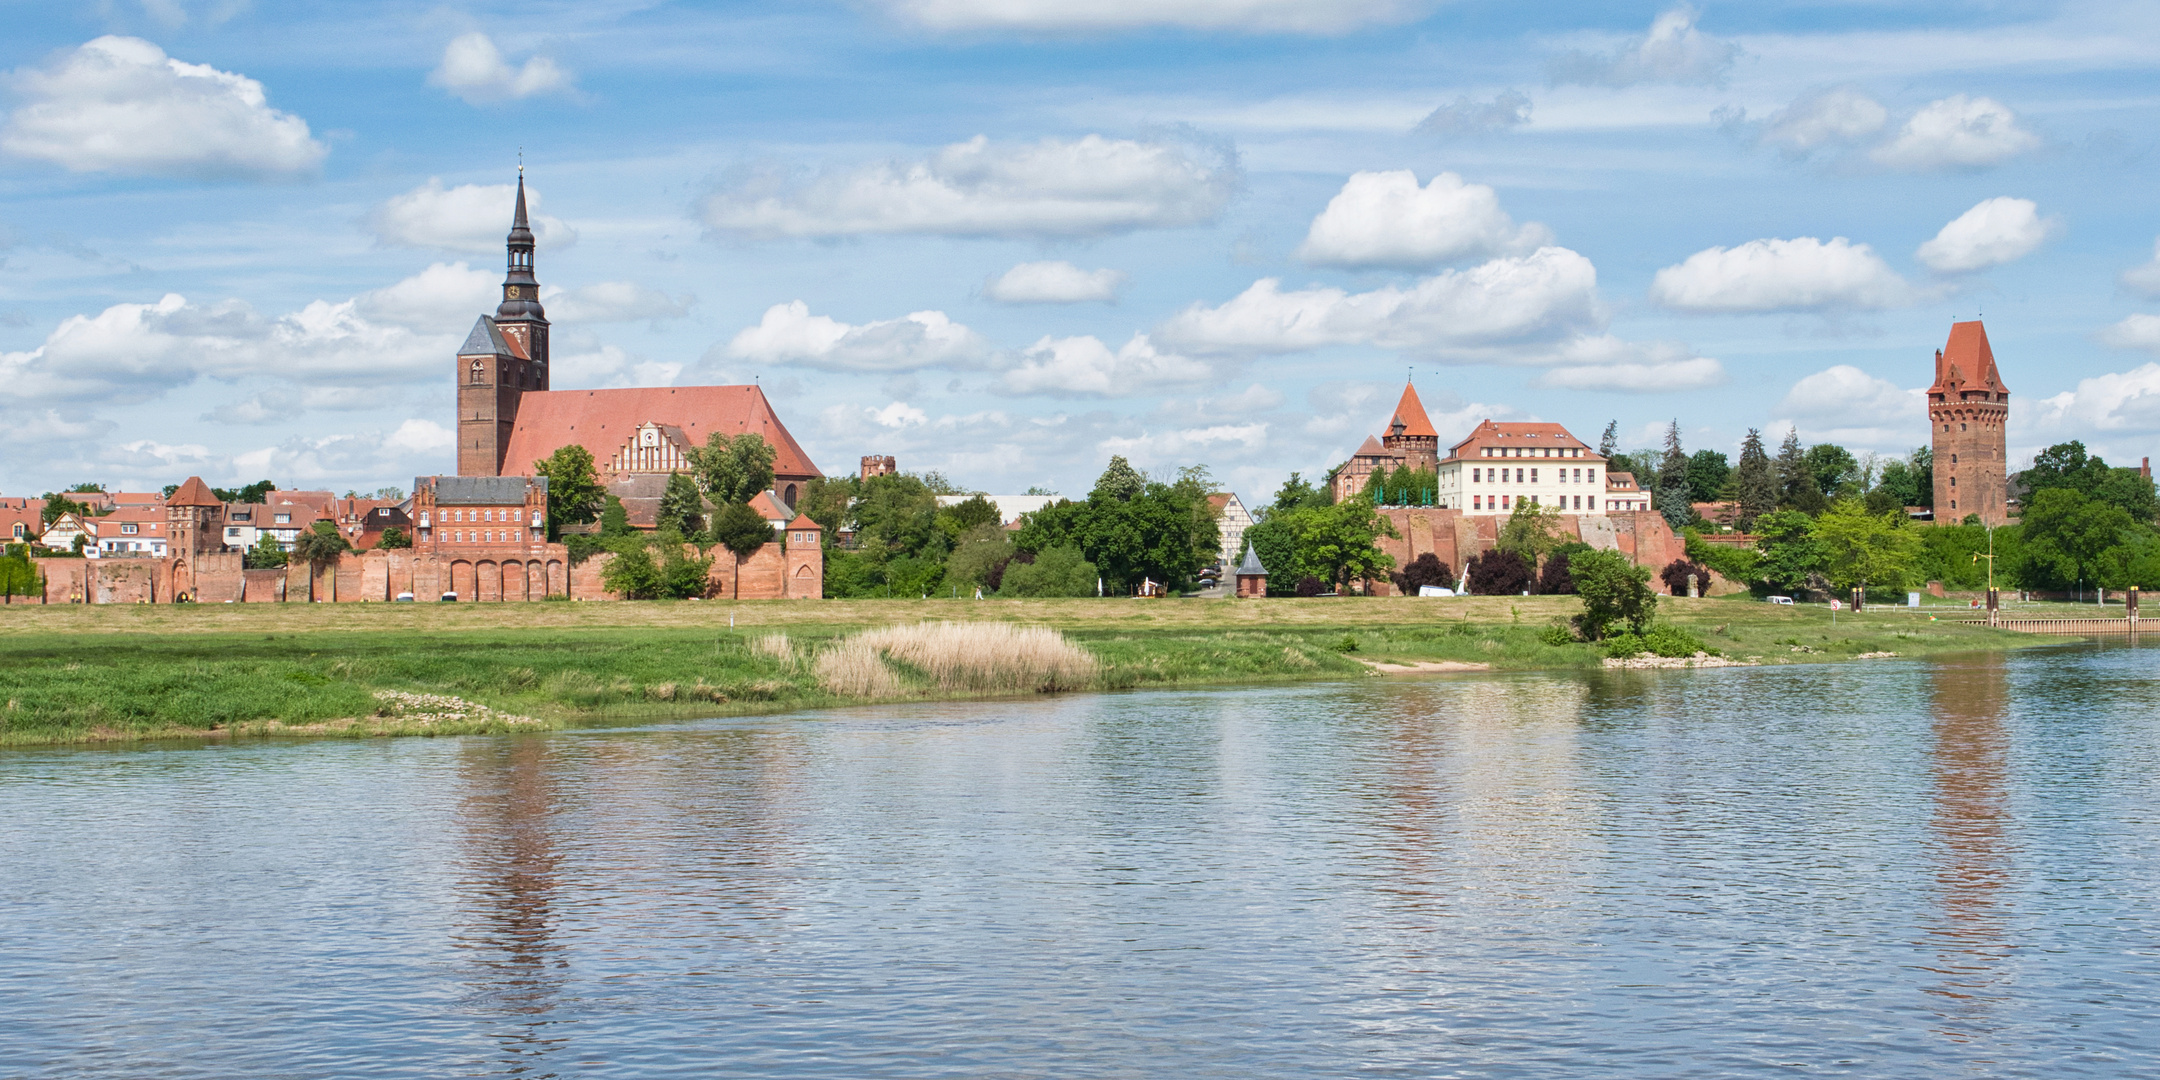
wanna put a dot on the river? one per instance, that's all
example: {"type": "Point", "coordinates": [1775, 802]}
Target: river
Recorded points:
{"type": "Point", "coordinates": [1941, 868]}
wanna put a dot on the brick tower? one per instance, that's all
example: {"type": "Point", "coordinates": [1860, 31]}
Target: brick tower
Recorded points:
{"type": "Point", "coordinates": [1968, 409]}
{"type": "Point", "coordinates": [502, 358]}
{"type": "Point", "coordinates": [1410, 433]}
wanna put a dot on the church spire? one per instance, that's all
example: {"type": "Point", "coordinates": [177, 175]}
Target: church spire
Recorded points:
{"type": "Point", "coordinates": [521, 291]}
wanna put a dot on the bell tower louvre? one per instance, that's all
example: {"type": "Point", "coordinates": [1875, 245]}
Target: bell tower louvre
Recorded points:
{"type": "Point", "coordinates": [503, 358]}
{"type": "Point", "coordinates": [1968, 411]}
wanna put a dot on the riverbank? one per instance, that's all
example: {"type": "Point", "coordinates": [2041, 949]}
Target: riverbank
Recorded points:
{"type": "Point", "coordinates": [80, 674]}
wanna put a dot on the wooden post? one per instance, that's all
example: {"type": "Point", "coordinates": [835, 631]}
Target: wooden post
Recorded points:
{"type": "Point", "coordinates": [1994, 607]}
{"type": "Point", "coordinates": [2130, 614]}
{"type": "Point", "coordinates": [1857, 595]}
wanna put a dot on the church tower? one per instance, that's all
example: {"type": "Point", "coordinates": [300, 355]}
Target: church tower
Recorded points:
{"type": "Point", "coordinates": [1968, 410]}
{"type": "Point", "coordinates": [1410, 433]}
{"type": "Point", "coordinates": [502, 358]}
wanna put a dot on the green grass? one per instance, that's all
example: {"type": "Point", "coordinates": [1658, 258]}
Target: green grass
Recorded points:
{"type": "Point", "coordinates": [75, 673]}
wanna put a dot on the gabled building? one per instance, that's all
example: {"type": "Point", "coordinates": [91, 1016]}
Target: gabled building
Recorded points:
{"type": "Point", "coordinates": [1231, 521]}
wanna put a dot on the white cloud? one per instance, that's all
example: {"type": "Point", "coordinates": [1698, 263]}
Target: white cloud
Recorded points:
{"type": "Point", "coordinates": [899, 414]}
{"type": "Point", "coordinates": [1674, 51]}
{"type": "Point", "coordinates": [1084, 366]}
{"type": "Point", "coordinates": [1185, 444]}
{"type": "Point", "coordinates": [2145, 279]}
{"type": "Point", "coordinates": [789, 334]}
{"type": "Point", "coordinates": [444, 298]}
{"type": "Point", "coordinates": [474, 69]}
{"type": "Point", "coordinates": [1835, 116]}
{"type": "Point", "coordinates": [1469, 116]}
{"type": "Point", "coordinates": [1958, 132]}
{"type": "Point", "coordinates": [138, 351]}
{"type": "Point", "coordinates": [1846, 405]}
{"type": "Point", "coordinates": [2126, 401]}
{"type": "Point", "coordinates": [1055, 187]}
{"type": "Point", "coordinates": [583, 363]}
{"type": "Point", "coordinates": [1611, 364]}
{"type": "Point", "coordinates": [1803, 274]}
{"type": "Point", "coordinates": [346, 460]}
{"type": "Point", "coordinates": [613, 301]}
{"type": "Point", "coordinates": [281, 403]}
{"type": "Point", "coordinates": [1385, 219]}
{"type": "Point", "coordinates": [119, 104]}
{"type": "Point", "coordinates": [468, 217]}
{"type": "Point", "coordinates": [1995, 231]}
{"type": "Point", "coordinates": [1248, 16]}
{"type": "Point", "coordinates": [1487, 312]}
{"type": "Point", "coordinates": [1053, 282]}
{"type": "Point", "coordinates": [2138, 331]}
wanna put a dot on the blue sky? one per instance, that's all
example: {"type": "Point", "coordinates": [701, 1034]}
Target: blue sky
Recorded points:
{"type": "Point", "coordinates": [1006, 239]}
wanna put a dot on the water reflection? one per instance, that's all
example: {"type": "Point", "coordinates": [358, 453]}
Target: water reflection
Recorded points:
{"type": "Point", "coordinates": [1973, 852]}
{"type": "Point", "coordinates": [509, 904]}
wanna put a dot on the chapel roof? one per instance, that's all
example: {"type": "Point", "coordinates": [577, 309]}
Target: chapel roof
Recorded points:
{"type": "Point", "coordinates": [1251, 565]}
{"type": "Point", "coordinates": [1967, 362]}
{"type": "Point", "coordinates": [600, 420]}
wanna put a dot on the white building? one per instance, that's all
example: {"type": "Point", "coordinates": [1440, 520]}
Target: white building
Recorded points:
{"type": "Point", "coordinates": [1500, 466]}
{"type": "Point", "coordinates": [1231, 520]}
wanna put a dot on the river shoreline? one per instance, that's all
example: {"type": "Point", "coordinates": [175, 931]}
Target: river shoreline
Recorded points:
{"type": "Point", "coordinates": [105, 675]}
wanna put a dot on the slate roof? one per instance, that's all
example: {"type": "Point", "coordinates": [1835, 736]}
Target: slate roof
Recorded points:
{"type": "Point", "coordinates": [1251, 566]}
{"type": "Point", "coordinates": [485, 340]}
{"type": "Point", "coordinates": [478, 490]}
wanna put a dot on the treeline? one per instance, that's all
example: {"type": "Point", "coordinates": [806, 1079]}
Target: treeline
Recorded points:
{"type": "Point", "coordinates": [1128, 529]}
{"type": "Point", "coordinates": [2084, 524]}
{"type": "Point", "coordinates": [1804, 478]}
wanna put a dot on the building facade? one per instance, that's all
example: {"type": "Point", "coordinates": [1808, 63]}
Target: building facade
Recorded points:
{"type": "Point", "coordinates": [509, 417]}
{"type": "Point", "coordinates": [1968, 416]}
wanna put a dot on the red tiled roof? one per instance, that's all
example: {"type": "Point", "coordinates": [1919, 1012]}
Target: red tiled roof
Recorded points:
{"type": "Point", "coordinates": [602, 420]}
{"type": "Point", "coordinates": [1410, 413]}
{"type": "Point", "coordinates": [1967, 361]}
{"type": "Point", "coordinates": [764, 503]}
{"type": "Point", "coordinates": [1491, 433]}
{"type": "Point", "coordinates": [802, 523]}
{"type": "Point", "coordinates": [1372, 448]}
{"type": "Point", "coordinates": [193, 492]}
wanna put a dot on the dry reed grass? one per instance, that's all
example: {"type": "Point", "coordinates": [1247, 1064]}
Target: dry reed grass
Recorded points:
{"type": "Point", "coordinates": [778, 647]}
{"type": "Point", "coordinates": [853, 668]}
{"type": "Point", "coordinates": [996, 656]}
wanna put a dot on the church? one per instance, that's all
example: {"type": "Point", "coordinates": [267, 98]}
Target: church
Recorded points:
{"type": "Point", "coordinates": [508, 418]}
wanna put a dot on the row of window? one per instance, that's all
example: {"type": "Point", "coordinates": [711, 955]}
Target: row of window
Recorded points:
{"type": "Point", "coordinates": [462, 516]}
{"type": "Point", "coordinates": [483, 536]}
{"type": "Point", "coordinates": [1506, 502]}
{"type": "Point", "coordinates": [1531, 451]}
{"type": "Point", "coordinates": [1500, 476]}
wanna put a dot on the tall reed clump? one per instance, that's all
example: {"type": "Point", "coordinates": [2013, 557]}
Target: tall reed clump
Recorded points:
{"type": "Point", "coordinates": [778, 647]}
{"type": "Point", "coordinates": [982, 656]}
{"type": "Point", "coordinates": [852, 667]}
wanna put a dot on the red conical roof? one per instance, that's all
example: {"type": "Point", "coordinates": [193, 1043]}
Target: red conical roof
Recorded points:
{"type": "Point", "coordinates": [1967, 362]}
{"type": "Point", "coordinates": [1410, 413]}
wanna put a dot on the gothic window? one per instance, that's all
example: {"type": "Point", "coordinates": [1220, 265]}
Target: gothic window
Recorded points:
{"type": "Point", "coordinates": [476, 372]}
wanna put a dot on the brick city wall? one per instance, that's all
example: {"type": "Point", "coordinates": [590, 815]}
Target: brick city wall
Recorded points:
{"type": "Point", "coordinates": [1455, 537]}
{"type": "Point", "coordinates": [773, 572]}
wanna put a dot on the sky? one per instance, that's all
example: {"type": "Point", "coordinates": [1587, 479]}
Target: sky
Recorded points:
{"type": "Point", "coordinates": [1007, 239]}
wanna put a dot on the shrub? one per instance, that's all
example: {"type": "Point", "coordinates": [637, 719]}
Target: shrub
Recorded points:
{"type": "Point", "coordinates": [1348, 644]}
{"type": "Point", "coordinates": [1555, 579]}
{"type": "Point", "coordinates": [1665, 639]}
{"type": "Point", "coordinates": [1676, 573]}
{"type": "Point", "coordinates": [1426, 569]}
{"type": "Point", "coordinates": [1056, 571]}
{"type": "Point", "coordinates": [1625, 645]}
{"type": "Point", "coordinates": [1498, 573]}
{"type": "Point", "coordinates": [1310, 586]}
{"type": "Point", "coordinates": [1556, 636]}
{"type": "Point", "coordinates": [1612, 590]}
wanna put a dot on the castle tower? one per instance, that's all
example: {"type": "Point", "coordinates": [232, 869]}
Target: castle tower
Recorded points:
{"type": "Point", "coordinates": [1968, 410]}
{"type": "Point", "coordinates": [502, 358]}
{"type": "Point", "coordinates": [1410, 433]}
{"type": "Point", "coordinates": [193, 528]}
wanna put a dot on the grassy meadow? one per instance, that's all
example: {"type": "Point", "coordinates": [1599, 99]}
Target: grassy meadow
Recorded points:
{"type": "Point", "coordinates": [73, 673]}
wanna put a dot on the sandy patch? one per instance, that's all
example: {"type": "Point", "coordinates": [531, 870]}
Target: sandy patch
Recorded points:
{"type": "Point", "coordinates": [1422, 667]}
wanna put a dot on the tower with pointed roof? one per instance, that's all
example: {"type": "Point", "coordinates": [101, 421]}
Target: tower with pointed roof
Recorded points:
{"type": "Point", "coordinates": [1968, 412]}
{"type": "Point", "coordinates": [1410, 433]}
{"type": "Point", "coordinates": [504, 357]}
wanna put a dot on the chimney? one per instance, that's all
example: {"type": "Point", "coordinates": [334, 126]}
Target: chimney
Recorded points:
{"type": "Point", "coordinates": [2145, 468]}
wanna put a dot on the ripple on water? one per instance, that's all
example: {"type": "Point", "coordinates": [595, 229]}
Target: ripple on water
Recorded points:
{"type": "Point", "coordinates": [1938, 868]}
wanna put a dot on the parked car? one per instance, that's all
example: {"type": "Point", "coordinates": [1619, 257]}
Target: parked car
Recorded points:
{"type": "Point", "coordinates": [449, 598]}
{"type": "Point", "coordinates": [1778, 599]}
{"type": "Point", "coordinates": [404, 598]}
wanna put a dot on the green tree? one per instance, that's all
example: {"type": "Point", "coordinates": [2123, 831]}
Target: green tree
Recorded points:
{"type": "Point", "coordinates": [1790, 556]}
{"type": "Point", "coordinates": [1899, 482]}
{"type": "Point", "coordinates": [1671, 495]}
{"type": "Point", "coordinates": [1754, 482]}
{"type": "Point", "coordinates": [18, 575]}
{"type": "Point", "coordinates": [910, 575]}
{"type": "Point", "coordinates": [394, 539]}
{"type": "Point", "coordinates": [733, 469]}
{"type": "Point", "coordinates": [2133, 561]}
{"type": "Point", "coordinates": [1531, 531]}
{"type": "Point", "coordinates": [1297, 494]}
{"type": "Point", "coordinates": [58, 505]}
{"type": "Point", "coordinates": [319, 545]}
{"type": "Point", "coordinates": [979, 557]}
{"type": "Point", "coordinates": [1119, 481]}
{"type": "Point", "coordinates": [632, 572]}
{"type": "Point", "coordinates": [829, 501]}
{"type": "Point", "coordinates": [956, 520]}
{"type": "Point", "coordinates": [1836, 471]}
{"type": "Point", "coordinates": [1610, 441]}
{"type": "Point", "coordinates": [1613, 590]}
{"type": "Point", "coordinates": [2066, 536]}
{"type": "Point", "coordinates": [574, 495]}
{"type": "Point", "coordinates": [267, 554]}
{"type": "Point", "coordinates": [1797, 487]}
{"type": "Point", "coordinates": [682, 508]}
{"type": "Point", "coordinates": [615, 519]}
{"type": "Point", "coordinates": [1056, 571]}
{"type": "Point", "coordinates": [1860, 549]}
{"type": "Point", "coordinates": [897, 517]}
{"type": "Point", "coordinates": [682, 577]}
{"type": "Point", "coordinates": [1154, 534]}
{"type": "Point", "coordinates": [1193, 486]}
{"type": "Point", "coordinates": [1707, 472]}
{"type": "Point", "coordinates": [742, 531]}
